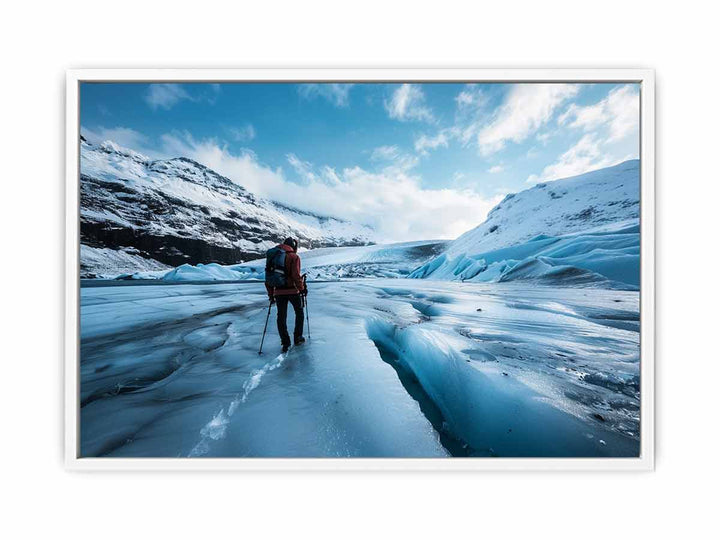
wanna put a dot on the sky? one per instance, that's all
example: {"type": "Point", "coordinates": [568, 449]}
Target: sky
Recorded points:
{"type": "Point", "coordinates": [414, 161]}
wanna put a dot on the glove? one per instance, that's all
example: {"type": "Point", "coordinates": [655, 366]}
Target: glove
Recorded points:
{"type": "Point", "coordinates": [272, 299]}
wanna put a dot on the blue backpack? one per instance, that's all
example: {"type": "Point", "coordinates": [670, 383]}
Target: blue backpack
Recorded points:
{"type": "Point", "coordinates": [275, 275]}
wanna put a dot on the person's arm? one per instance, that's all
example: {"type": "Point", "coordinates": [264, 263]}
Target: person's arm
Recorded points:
{"type": "Point", "coordinates": [295, 275]}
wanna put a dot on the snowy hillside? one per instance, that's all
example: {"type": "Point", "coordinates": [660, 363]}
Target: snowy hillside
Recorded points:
{"type": "Point", "coordinates": [582, 230]}
{"type": "Point", "coordinates": [557, 208]}
{"type": "Point", "coordinates": [169, 212]}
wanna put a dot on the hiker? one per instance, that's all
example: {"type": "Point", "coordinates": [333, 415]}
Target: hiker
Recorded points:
{"type": "Point", "coordinates": [284, 284]}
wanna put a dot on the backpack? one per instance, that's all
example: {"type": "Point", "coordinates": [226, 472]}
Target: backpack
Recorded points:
{"type": "Point", "coordinates": [275, 275]}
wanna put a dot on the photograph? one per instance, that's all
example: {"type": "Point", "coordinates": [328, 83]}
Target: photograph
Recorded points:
{"type": "Point", "coordinates": [365, 271]}
{"type": "Point", "coordinates": [442, 270]}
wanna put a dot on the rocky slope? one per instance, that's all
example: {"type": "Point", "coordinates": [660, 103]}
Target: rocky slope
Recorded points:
{"type": "Point", "coordinates": [176, 211]}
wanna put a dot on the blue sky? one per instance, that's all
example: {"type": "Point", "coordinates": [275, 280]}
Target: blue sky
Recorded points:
{"type": "Point", "coordinates": [436, 156]}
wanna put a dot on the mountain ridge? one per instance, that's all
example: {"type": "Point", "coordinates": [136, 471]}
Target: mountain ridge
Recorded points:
{"type": "Point", "coordinates": [176, 211]}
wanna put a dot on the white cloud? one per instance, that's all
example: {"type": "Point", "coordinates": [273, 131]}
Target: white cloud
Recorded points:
{"type": "Point", "coordinates": [408, 103]}
{"type": "Point", "coordinates": [336, 93]}
{"type": "Point", "coordinates": [464, 99]}
{"type": "Point", "coordinates": [496, 169]}
{"type": "Point", "coordinates": [304, 169]}
{"type": "Point", "coordinates": [390, 200]}
{"type": "Point", "coordinates": [544, 138]}
{"type": "Point", "coordinates": [605, 123]}
{"type": "Point", "coordinates": [385, 153]}
{"type": "Point", "coordinates": [165, 96]}
{"type": "Point", "coordinates": [311, 174]}
{"type": "Point", "coordinates": [123, 136]}
{"type": "Point", "coordinates": [585, 155]}
{"type": "Point", "coordinates": [393, 159]}
{"type": "Point", "coordinates": [470, 97]}
{"type": "Point", "coordinates": [329, 175]}
{"type": "Point", "coordinates": [526, 108]}
{"type": "Point", "coordinates": [243, 168]}
{"type": "Point", "coordinates": [470, 115]}
{"type": "Point", "coordinates": [619, 111]}
{"type": "Point", "coordinates": [425, 142]}
{"type": "Point", "coordinates": [244, 133]}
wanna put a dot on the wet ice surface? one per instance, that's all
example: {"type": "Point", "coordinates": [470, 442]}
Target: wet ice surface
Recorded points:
{"type": "Point", "coordinates": [394, 368]}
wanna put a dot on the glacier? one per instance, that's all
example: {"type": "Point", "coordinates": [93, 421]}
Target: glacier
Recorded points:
{"type": "Point", "coordinates": [607, 257]}
{"type": "Point", "coordinates": [396, 260]}
{"type": "Point", "coordinates": [393, 368]}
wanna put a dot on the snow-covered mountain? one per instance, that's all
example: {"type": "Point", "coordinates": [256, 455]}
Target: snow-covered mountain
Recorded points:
{"type": "Point", "coordinates": [578, 230]}
{"type": "Point", "coordinates": [140, 214]}
{"type": "Point", "coordinates": [556, 208]}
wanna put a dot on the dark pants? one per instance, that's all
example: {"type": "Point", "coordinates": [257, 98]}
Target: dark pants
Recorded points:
{"type": "Point", "coordinates": [282, 307]}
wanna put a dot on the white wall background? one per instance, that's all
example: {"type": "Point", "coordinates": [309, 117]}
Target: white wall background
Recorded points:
{"type": "Point", "coordinates": [40, 40]}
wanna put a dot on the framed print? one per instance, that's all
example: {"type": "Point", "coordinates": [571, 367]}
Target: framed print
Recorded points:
{"type": "Point", "coordinates": [360, 269]}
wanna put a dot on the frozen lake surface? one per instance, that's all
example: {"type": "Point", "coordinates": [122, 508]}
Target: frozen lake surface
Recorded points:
{"type": "Point", "coordinates": [394, 368]}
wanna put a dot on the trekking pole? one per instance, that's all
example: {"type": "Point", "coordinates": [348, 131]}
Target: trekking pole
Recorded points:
{"type": "Point", "coordinates": [265, 330]}
{"type": "Point", "coordinates": [305, 303]}
{"type": "Point", "coordinates": [307, 314]}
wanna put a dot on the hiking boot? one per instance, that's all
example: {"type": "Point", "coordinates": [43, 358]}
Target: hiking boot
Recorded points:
{"type": "Point", "coordinates": [299, 341]}
{"type": "Point", "coordinates": [286, 348]}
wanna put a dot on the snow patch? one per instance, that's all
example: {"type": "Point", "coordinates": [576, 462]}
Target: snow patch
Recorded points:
{"type": "Point", "coordinates": [108, 263]}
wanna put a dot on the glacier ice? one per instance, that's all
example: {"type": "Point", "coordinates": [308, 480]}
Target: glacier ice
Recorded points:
{"type": "Point", "coordinates": [393, 369]}
{"type": "Point", "coordinates": [379, 260]}
{"type": "Point", "coordinates": [607, 257]}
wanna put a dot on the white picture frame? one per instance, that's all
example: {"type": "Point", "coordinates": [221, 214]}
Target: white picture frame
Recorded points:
{"type": "Point", "coordinates": [644, 77]}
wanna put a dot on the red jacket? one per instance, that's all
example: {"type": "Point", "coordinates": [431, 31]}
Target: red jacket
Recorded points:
{"type": "Point", "coordinates": [292, 272]}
